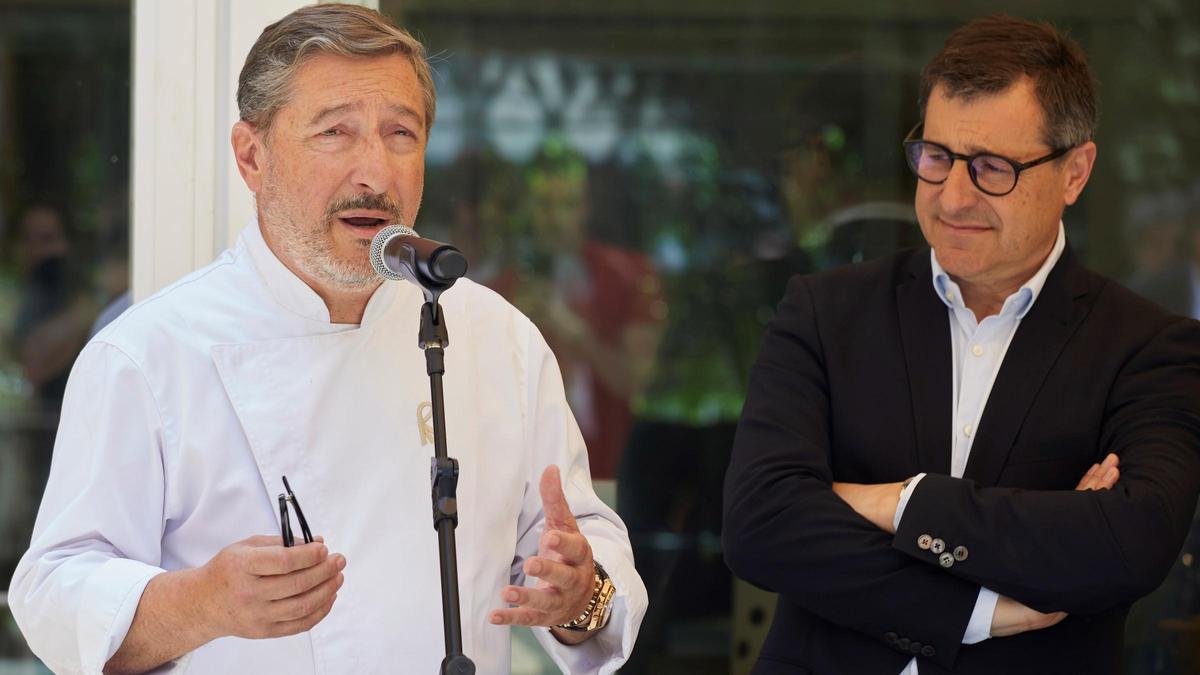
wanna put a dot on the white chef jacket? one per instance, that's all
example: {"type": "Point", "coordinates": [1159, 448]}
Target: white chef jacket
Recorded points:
{"type": "Point", "coordinates": [180, 418]}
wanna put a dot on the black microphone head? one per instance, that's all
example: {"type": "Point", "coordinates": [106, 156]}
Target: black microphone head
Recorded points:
{"type": "Point", "coordinates": [448, 265]}
{"type": "Point", "coordinates": [379, 243]}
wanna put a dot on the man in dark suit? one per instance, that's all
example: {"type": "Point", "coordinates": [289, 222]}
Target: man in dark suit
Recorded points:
{"type": "Point", "coordinates": [926, 468]}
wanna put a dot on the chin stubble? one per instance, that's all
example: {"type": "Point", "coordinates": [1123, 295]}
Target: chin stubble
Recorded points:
{"type": "Point", "coordinates": [311, 248]}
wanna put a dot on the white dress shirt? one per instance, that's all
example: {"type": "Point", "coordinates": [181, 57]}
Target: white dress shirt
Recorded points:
{"type": "Point", "coordinates": [977, 349]}
{"type": "Point", "coordinates": [181, 417]}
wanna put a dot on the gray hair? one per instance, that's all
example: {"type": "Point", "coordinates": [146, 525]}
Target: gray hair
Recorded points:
{"type": "Point", "coordinates": [264, 85]}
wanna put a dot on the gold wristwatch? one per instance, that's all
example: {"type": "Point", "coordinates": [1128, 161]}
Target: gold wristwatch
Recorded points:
{"type": "Point", "coordinates": [595, 615]}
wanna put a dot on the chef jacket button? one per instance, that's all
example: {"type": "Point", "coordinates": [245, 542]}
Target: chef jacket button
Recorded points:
{"type": "Point", "coordinates": [924, 542]}
{"type": "Point", "coordinates": [928, 651]}
{"type": "Point", "coordinates": [937, 546]}
{"type": "Point", "coordinates": [961, 553]}
{"type": "Point", "coordinates": [946, 560]}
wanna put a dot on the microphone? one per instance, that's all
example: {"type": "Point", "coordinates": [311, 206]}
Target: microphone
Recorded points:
{"type": "Point", "coordinates": [398, 252]}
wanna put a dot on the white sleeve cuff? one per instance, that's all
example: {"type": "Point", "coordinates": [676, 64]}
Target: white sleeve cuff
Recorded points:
{"type": "Point", "coordinates": [905, 494]}
{"type": "Point", "coordinates": [612, 645]}
{"type": "Point", "coordinates": [110, 597]}
{"type": "Point", "coordinates": [979, 628]}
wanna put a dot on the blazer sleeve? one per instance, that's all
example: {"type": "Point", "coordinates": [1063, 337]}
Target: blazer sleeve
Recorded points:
{"type": "Point", "coordinates": [785, 529]}
{"type": "Point", "coordinates": [1085, 552]}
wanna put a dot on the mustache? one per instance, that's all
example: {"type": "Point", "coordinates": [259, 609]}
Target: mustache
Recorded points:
{"type": "Point", "coordinates": [373, 202]}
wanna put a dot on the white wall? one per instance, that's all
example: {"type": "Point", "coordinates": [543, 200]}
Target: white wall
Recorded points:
{"type": "Point", "coordinates": [189, 203]}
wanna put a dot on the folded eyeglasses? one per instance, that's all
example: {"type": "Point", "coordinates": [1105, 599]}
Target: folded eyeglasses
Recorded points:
{"type": "Point", "coordinates": [285, 521]}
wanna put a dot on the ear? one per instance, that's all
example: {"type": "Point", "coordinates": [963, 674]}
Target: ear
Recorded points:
{"type": "Point", "coordinates": [249, 148]}
{"type": "Point", "coordinates": [1079, 164]}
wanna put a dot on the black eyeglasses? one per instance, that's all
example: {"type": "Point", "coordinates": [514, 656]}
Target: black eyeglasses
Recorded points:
{"type": "Point", "coordinates": [993, 174]}
{"type": "Point", "coordinates": [285, 521]}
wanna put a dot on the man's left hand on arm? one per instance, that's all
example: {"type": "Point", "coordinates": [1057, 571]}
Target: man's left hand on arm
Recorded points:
{"type": "Point", "coordinates": [563, 567]}
{"type": "Point", "coordinates": [877, 503]}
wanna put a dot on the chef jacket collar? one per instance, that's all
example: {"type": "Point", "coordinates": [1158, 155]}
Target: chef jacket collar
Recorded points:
{"type": "Point", "coordinates": [293, 294]}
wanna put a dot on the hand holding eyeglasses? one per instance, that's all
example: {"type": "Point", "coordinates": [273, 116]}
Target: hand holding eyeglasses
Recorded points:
{"type": "Point", "coordinates": [257, 588]}
{"type": "Point", "coordinates": [266, 586]}
{"type": "Point", "coordinates": [563, 567]}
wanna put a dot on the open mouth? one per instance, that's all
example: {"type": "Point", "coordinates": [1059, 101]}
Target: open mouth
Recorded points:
{"type": "Point", "coordinates": [364, 222]}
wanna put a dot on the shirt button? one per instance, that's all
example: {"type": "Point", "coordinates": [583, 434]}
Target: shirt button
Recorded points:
{"type": "Point", "coordinates": [968, 430]}
{"type": "Point", "coordinates": [977, 350]}
{"type": "Point", "coordinates": [950, 296]}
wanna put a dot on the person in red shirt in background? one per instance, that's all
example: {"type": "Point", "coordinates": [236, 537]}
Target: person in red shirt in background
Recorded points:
{"type": "Point", "coordinates": [600, 306]}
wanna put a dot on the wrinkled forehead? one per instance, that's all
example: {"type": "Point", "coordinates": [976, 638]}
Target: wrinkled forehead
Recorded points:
{"type": "Point", "coordinates": [330, 84]}
{"type": "Point", "coordinates": [1007, 121]}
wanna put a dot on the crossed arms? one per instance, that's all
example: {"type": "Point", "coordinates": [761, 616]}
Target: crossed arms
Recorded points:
{"type": "Point", "coordinates": [787, 530]}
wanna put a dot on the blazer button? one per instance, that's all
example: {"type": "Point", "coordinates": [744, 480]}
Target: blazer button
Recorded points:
{"type": "Point", "coordinates": [961, 553]}
{"type": "Point", "coordinates": [903, 644]}
{"type": "Point", "coordinates": [928, 651]}
{"type": "Point", "coordinates": [946, 560]}
{"type": "Point", "coordinates": [937, 546]}
{"type": "Point", "coordinates": [914, 648]}
{"type": "Point", "coordinates": [890, 637]}
{"type": "Point", "coordinates": [924, 542]}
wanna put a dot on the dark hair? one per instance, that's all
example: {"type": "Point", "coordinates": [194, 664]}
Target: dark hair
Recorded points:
{"type": "Point", "coordinates": [989, 55]}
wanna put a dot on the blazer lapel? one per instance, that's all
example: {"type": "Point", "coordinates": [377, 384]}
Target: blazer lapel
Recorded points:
{"type": "Point", "coordinates": [925, 332]}
{"type": "Point", "coordinates": [1040, 338]}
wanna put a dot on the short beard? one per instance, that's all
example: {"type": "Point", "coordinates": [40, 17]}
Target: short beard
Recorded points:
{"type": "Point", "coordinates": [310, 248]}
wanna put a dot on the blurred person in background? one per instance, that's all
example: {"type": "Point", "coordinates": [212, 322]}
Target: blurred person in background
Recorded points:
{"type": "Point", "coordinates": [55, 312]}
{"type": "Point", "coordinates": [601, 307]}
{"type": "Point", "coordinates": [1166, 242]}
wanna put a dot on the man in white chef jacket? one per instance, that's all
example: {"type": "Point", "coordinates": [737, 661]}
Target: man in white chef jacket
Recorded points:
{"type": "Point", "coordinates": [157, 546]}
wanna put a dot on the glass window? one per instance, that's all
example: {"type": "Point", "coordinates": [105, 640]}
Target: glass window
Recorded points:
{"type": "Point", "coordinates": [642, 178]}
{"type": "Point", "coordinates": [64, 179]}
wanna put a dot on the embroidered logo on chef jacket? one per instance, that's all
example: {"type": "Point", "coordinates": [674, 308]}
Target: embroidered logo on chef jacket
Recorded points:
{"type": "Point", "coordinates": [425, 422]}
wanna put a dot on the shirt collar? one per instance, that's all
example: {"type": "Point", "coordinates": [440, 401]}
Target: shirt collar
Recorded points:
{"type": "Point", "coordinates": [290, 290]}
{"type": "Point", "coordinates": [1016, 305]}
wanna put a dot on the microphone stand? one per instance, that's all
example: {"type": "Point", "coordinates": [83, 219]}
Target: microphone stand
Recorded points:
{"type": "Point", "coordinates": [397, 252]}
{"type": "Point", "coordinates": [433, 339]}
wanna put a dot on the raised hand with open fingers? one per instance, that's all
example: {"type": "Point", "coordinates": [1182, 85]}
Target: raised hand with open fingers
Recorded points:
{"type": "Point", "coordinates": [563, 567]}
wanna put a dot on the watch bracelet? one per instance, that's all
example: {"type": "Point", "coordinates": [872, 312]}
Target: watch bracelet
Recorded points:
{"type": "Point", "coordinates": [599, 599]}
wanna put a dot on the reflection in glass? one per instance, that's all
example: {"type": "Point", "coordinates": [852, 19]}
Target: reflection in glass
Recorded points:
{"type": "Point", "coordinates": [64, 175]}
{"type": "Point", "coordinates": [723, 151]}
